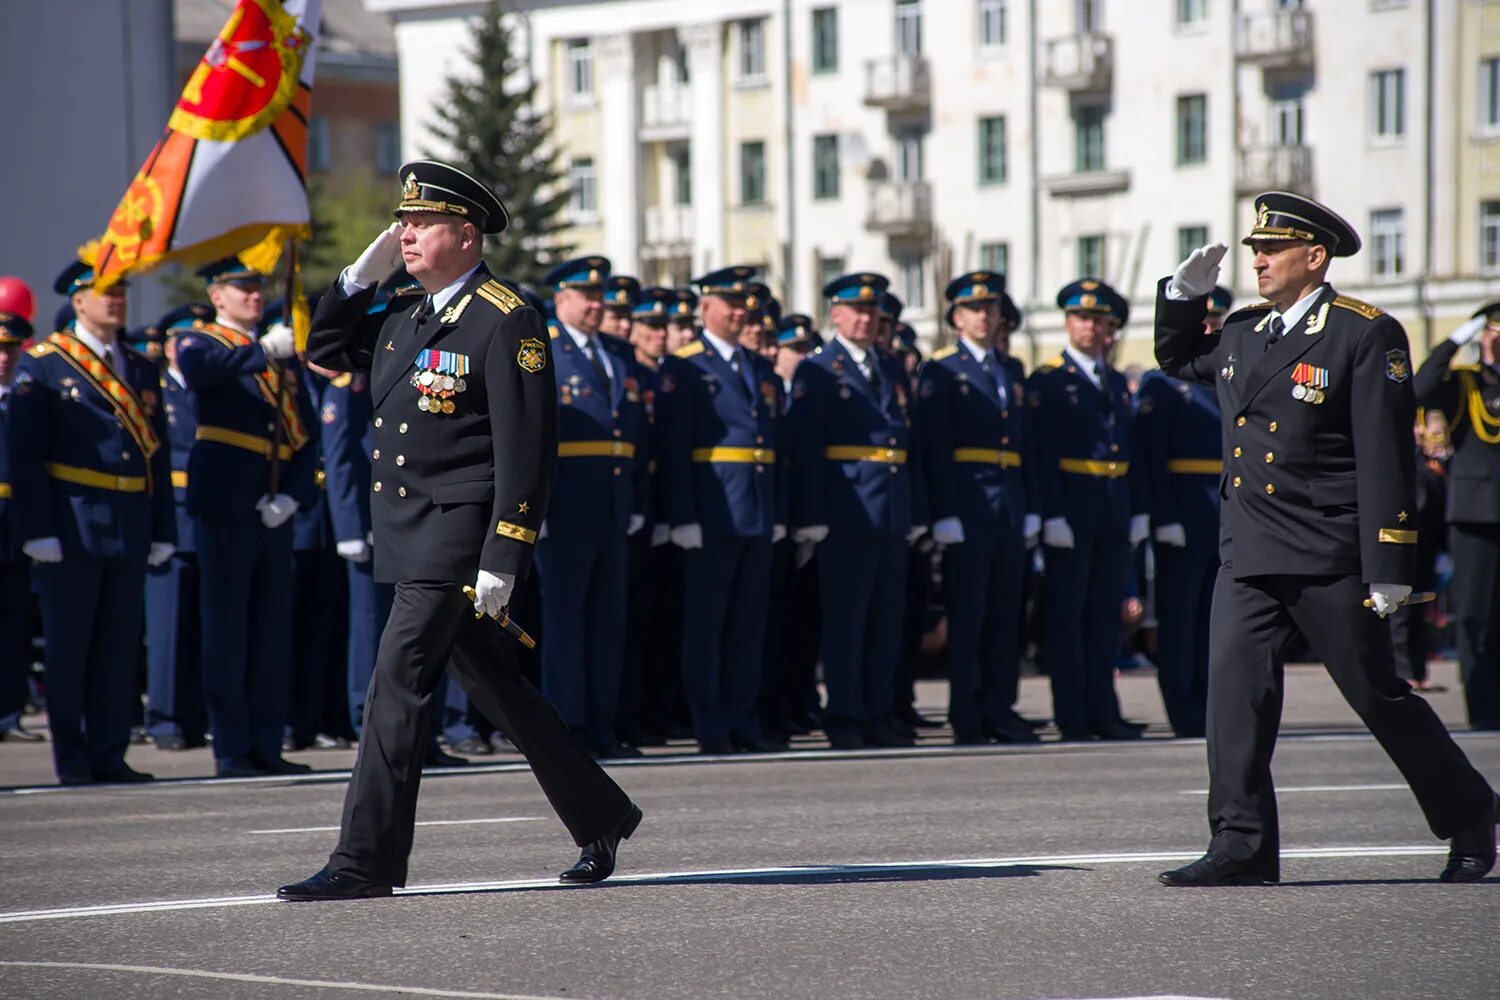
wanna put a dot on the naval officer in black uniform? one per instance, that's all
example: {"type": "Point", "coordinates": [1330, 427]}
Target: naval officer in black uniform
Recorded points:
{"type": "Point", "coordinates": [465, 448]}
{"type": "Point", "coordinates": [1318, 514]}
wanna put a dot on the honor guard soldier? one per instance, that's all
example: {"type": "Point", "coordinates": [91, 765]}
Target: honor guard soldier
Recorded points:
{"type": "Point", "coordinates": [91, 504]}
{"type": "Point", "coordinates": [971, 417]}
{"type": "Point", "coordinates": [466, 417]}
{"type": "Point", "coordinates": [1093, 511]}
{"type": "Point", "coordinates": [1315, 390]}
{"type": "Point", "coordinates": [1177, 444]}
{"type": "Point", "coordinates": [682, 322]}
{"type": "Point", "coordinates": [598, 500]}
{"type": "Point", "coordinates": [15, 569]}
{"type": "Point", "coordinates": [1467, 392]}
{"type": "Point", "coordinates": [720, 405]}
{"type": "Point", "coordinates": [250, 470]}
{"type": "Point", "coordinates": [621, 292]}
{"type": "Point", "coordinates": [850, 424]}
{"type": "Point", "coordinates": [176, 717]}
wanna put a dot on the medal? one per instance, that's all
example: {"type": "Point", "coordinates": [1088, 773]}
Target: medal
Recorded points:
{"type": "Point", "coordinates": [426, 378]}
{"type": "Point", "coordinates": [422, 402]}
{"type": "Point", "coordinates": [448, 406]}
{"type": "Point", "coordinates": [459, 385]}
{"type": "Point", "coordinates": [448, 383]}
{"type": "Point", "coordinates": [1299, 391]}
{"type": "Point", "coordinates": [1317, 396]}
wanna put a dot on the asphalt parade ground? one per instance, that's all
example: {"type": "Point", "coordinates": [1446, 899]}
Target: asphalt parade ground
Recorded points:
{"type": "Point", "coordinates": [935, 872]}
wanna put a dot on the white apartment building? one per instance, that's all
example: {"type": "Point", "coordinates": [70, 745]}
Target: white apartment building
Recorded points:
{"type": "Point", "coordinates": [1050, 139]}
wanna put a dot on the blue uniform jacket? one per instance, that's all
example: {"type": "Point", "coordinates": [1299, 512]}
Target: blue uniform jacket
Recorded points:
{"type": "Point", "coordinates": [852, 446]}
{"type": "Point", "coordinates": [62, 429]}
{"type": "Point", "coordinates": [312, 528]}
{"type": "Point", "coordinates": [10, 545]}
{"type": "Point", "coordinates": [182, 425]}
{"type": "Point", "coordinates": [603, 440]}
{"type": "Point", "coordinates": [347, 432]}
{"type": "Point", "coordinates": [1179, 444]}
{"type": "Point", "coordinates": [718, 462]}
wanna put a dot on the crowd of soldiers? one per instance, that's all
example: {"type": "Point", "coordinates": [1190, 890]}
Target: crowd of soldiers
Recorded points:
{"type": "Point", "coordinates": [739, 501]}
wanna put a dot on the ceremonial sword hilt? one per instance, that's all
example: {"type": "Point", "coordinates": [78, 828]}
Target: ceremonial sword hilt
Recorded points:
{"type": "Point", "coordinates": [503, 620]}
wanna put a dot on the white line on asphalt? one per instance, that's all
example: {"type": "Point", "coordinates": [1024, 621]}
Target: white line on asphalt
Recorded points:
{"type": "Point", "coordinates": [851, 870]}
{"type": "Point", "coordinates": [245, 977]}
{"type": "Point", "coordinates": [1316, 788]}
{"type": "Point", "coordinates": [426, 822]}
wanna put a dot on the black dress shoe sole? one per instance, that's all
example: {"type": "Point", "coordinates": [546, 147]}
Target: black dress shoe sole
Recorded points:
{"type": "Point", "coordinates": [364, 892]}
{"type": "Point", "coordinates": [1241, 879]}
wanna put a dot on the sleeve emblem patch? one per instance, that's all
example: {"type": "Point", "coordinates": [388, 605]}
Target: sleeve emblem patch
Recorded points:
{"type": "Point", "coordinates": [1397, 366]}
{"type": "Point", "coordinates": [532, 356]}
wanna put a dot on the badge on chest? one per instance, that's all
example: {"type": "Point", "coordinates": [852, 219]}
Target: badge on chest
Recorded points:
{"type": "Point", "coordinates": [438, 376]}
{"type": "Point", "coordinates": [1309, 384]}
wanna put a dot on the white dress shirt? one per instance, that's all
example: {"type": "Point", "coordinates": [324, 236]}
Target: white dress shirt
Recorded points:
{"type": "Point", "coordinates": [1086, 363]}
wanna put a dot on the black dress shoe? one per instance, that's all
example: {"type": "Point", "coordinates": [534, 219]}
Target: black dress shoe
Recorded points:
{"type": "Point", "coordinates": [75, 778]}
{"type": "Point", "coordinates": [122, 774]}
{"type": "Point", "coordinates": [138, 736]}
{"type": "Point", "coordinates": [966, 738]}
{"type": "Point", "coordinates": [917, 720]}
{"type": "Point", "coordinates": [437, 758]}
{"type": "Point", "coordinates": [846, 741]}
{"type": "Point", "coordinates": [597, 862]}
{"type": "Point", "coordinates": [1118, 731]}
{"type": "Point", "coordinates": [1075, 736]}
{"type": "Point", "coordinates": [758, 744]}
{"type": "Point", "coordinates": [1473, 852]}
{"type": "Point", "coordinates": [889, 738]}
{"type": "Point", "coordinates": [472, 745]}
{"type": "Point", "coordinates": [236, 767]}
{"type": "Point", "coordinates": [1033, 723]}
{"type": "Point", "coordinates": [613, 751]}
{"type": "Point", "coordinates": [170, 742]}
{"type": "Point", "coordinates": [1012, 731]}
{"type": "Point", "coordinates": [280, 765]}
{"type": "Point", "coordinates": [20, 734]}
{"type": "Point", "coordinates": [1216, 869]}
{"type": "Point", "coordinates": [716, 746]}
{"type": "Point", "coordinates": [331, 885]}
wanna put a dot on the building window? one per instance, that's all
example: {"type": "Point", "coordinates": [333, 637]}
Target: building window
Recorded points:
{"type": "Point", "coordinates": [992, 150]}
{"type": "Point", "coordinates": [825, 33]}
{"type": "Point", "coordinates": [584, 183]}
{"type": "Point", "coordinates": [1489, 237]}
{"type": "Point", "coordinates": [909, 283]}
{"type": "Point", "coordinates": [1192, 11]}
{"type": "Point", "coordinates": [994, 23]}
{"type": "Point", "coordinates": [908, 156]}
{"type": "Point", "coordinates": [909, 27]}
{"type": "Point", "coordinates": [319, 152]}
{"type": "Point", "coordinates": [580, 71]}
{"type": "Point", "coordinates": [1088, 15]}
{"type": "Point", "coordinates": [752, 63]}
{"type": "Point", "coordinates": [1286, 113]}
{"type": "Point", "coordinates": [1388, 103]}
{"type": "Point", "coordinates": [1388, 243]}
{"type": "Point", "coordinates": [994, 257]}
{"type": "Point", "coordinates": [825, 166]}
{"type": "Point", "coordinates": [1190, 238]}
{"type": "Point", "coordinates": [828, 269]}
{"type": "Point", "coordinates": [387, 137]}
{"type": "Point", "coordinates": [682, 176]}
{"type": "Point", "coordinates": [1489, 95]}
{"type": "Point", "coordinates": [752, 173]}
{"type": "Point", "coordinates": [1088, 138]}
{"type": "Point", "coordinates": [1192, 129]}
{"type": "Point", "coordinates": [1090, 256]}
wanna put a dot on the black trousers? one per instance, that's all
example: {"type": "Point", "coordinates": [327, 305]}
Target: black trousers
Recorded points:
{"type": "Point", "coordinates": [428, 622]}
{"type": "Point", "coordinates": [1476, 602]}
{"type": "Point", "coordinates": [1253, 620]}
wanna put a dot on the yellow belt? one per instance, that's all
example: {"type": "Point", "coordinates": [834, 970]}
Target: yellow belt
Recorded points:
{"type": "Point", "coordinates": [595, 449]}
{"type": "Point", "coordinates": [4, 491]}
{"type": "Point", "coordinates": [238, 439]}
{"type": "Point", "coordinates": [863, 453]}
{"type": "Point", "coordinates": [988, 456]}
{"type": "Point", "coordinates": [755, 456]}
{"type": "Point", "coordinates": [179, 478]}
{"type": "Point", "coordinates": [1196, 466]}
{"type": "Point", "coordinates": [1089, 467]}
{"type": "Point", "coordinates": [99, 480]}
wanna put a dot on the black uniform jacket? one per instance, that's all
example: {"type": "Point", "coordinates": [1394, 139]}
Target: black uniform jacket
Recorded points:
{"type": "Point", "coordinates": [1319, 478]}
{"type": "Point", "coordinates": [452, 492]}
{"type": "Point", "coordinates": [1469, 396]}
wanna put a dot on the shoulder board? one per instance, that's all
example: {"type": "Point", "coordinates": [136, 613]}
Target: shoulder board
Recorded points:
{"type": "Point", "coordinates": [1251, 310]}
{"type": "Point", "coordinates": [1047, 366]}
{"type": "Point", "coordinates": [946, 352]}
{"type": "Point", "coordinates": [342, 380]}
{"type": "Point", "coordinates": [688, 350]}
{"type": "Point", "coordinates": [1354, 305]}
{"type": "Point", "coordinates": [40, 350]}
{"type": "Point", "coordinates": [553, 329]}
{"type": "Point", "coordinates": [415, 288]}
{"type": "Point", "coordinates": [499, 296]}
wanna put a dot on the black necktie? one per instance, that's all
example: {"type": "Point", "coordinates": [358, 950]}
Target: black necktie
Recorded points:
{"type": "Point", "coordinates": [1278, 327]}
{"type": "Point", "coordinates": [991, 367]}
{"type": "Point", "coordinates": [593, 352]}
{"type": "Point", "coordinates": [874, 366]}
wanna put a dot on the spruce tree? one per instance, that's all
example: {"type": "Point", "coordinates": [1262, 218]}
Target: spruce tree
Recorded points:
{"type": "Point", "coordinates": [495, 131]}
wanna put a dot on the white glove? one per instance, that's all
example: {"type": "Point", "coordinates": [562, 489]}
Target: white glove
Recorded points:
{"type": "Point", "coordinates": [914, 532]}
{"type": "Point", "coordinates": [1197, 276]}
{"type": "Point", "coordinates": [1031, 529]}
{"type": "Point", "coordinates": [804, 554]}
{"type": "Point", "coordinates": [380, 258]}
{"type": "Point", "coordinates": [274, 511]}
{"type": "Point", "coordinates": [778, 532]}
{"type": "Point", "coordinates": [278, 342]}
{"type": "Point", "coordinates": [492, 592]}
{"type": "Point", "coordinates": [1056, 533]}
{"type": "Point", "coordinates": [43, 550]}
{"type": "Point", "coordinates": [1171, 534]}
{"type": "Point", "coordinates": [661, 534]}
{"type": "Point", "coordinates": [160, 553]}
{"type": "Point", "coordinates": [1469, 330]}
{"type": "Point", "coordinates": [812, 533]}
{"type": "Point", "coordinates": [1388, 597]}
{"type": "Point", "coordinates": [356, 550]}
{"type": "Point", "coordinates": [1140, 529]}
{"type": "Point", "coordinates": [948, 531]}
{"type": "Point", "coordinates": [637, 522]}
{"type": "Point", "coordinates": [688, 536]}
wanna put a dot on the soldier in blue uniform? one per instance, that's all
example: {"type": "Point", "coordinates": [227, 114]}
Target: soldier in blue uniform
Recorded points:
{"type": "Point", "coordinates": [621, 292]}
{"type": "Point", "coordinates": [719, 410]}
{"type": "Point", "coordinates": [598, 501]}
{"type": "Point", "coordinates": [1179, 448]}
{"type": "Point", "coordinates": [1092, 508]}
{"type": "Point", "coordinates": [15, 569]}
{"type": "Point", "coordinates": [250, 469]}
{"type": "Point", "coordinates": [972, 419]}
{"type": "Point", "coordinates": [682, 320]}
{"type": "Point", "coordinates": [851, 428]}
{"type": "Point", "coordinates": [92, 506]}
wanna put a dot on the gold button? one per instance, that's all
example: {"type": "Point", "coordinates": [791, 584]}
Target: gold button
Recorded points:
{"type": "Point", "coordinates": [618, 432]}
{"type": "Point", "coordinates": [402, 491]}
{"type": "Point", "coordinates": [760, 440]}
{"type": "Point", "coordinates": [379, 421]}
{"type": "Point", "coordinates": [124, 456]}
{"type": "Point", "coordinates": [760, 468]}
{"type": "Point", "coordinates": [617, 470]}
{"type": "Point", "coordinates": [1270, 488]}
{"type": "Point", "coordinates": [890, 453]}
{"type": "Point", "coordinates": [1270, 458]}
{"type": "Point", "coordinates": [401, 460]}
{"type": "Point", "coordinates": [895, 469]}
{"type": "Point", "coordinates": [1236, 482]}
{"type": "Point", "coordinates": [1238, 451]}
{"type": "Point", "coordinates": [892, 442]}
{"type": "Point", "coordinates": [1273, 427]}
{"type": "Point", "coordinates": [375, 454]}
{"type": "Point", "coordinates": [1004, 414]}
{"type": "Point", "coordinates": [1240, 422]}
{"type": "Point", "coordinates": [1113, 448]}
{"type": "Point", "coordinates": [402, 428]}
{"type": "Point", "coordinates": [1005, 440]}
{"type": "Point", "coordinates": [1111, 466]}
{"type": "Point", "coordinates": [271, 427]}
{"type": "Point", "coordinates": [376, 487]}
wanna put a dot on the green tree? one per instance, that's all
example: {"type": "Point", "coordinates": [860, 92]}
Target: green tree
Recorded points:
{"type": "Point", "coordinates": [495, 131]}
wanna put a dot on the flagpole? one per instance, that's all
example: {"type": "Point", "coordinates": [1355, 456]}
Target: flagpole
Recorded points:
{"type": "Point", "coordinates": [278, 433]}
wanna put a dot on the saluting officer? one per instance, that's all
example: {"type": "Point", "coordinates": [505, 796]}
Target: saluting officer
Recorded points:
{"type": "Point", "coordinates": [971, 417]}
{"type": "Point", "coordinates": [720, 405]}
{"type": "Point", "coordinates": [598, 500]}
{"type": "Point", "coordinates": [1178, 446]}
{"type": "Point", "coordinates": [92, 506]}
{"type": "Point", "coordinates": [851, 428]}
{"type": "Point", "coordinates": [15, 569]}
{"type": "Point", "coordinates": [1467, 392]}
{"type": "Point", "coordinates": [1315, 389]}
{"type": "Point", "coordinates": [1093, 514]}
{"type": "Point", "coordinates": [465, 449]}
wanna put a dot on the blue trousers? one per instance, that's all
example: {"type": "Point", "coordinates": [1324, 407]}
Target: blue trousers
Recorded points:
{"type": "Point", "coordinates": [1084, 590]}
{"type": "Point", "coordinates": [15, 640]}
{"type": "Point", "coordinates": [174, 641]}
{"type": "Point", "coordinates": [861, 582]}
{"type": "Point", "coordinates": [583, 624]}
{"type": "Point", "coordinates": [726, 587]}
{"type": "Point", "coordinates": [982, 587]}
{"type": "Point", "coordinates": [1184, 595]}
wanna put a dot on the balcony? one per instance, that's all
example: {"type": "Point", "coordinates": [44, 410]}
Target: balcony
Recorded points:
{"type": "Point", "coordinates": [666, 112]}
{"type": "Point", "coordinates": [1082, 184]}
{"type": "Point", "coordinates": [1079, 63]}
{"type": "Point", "coordinates": [1274, 168]}
{"type": "Point", "coordinates": [668, 232]}
{"type": "Point", "coordinates": [898, 84]}
{"type": "Point", "coordinates": [900, 209]}
{"type": "Point", "coordinates": [1276, 40]}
